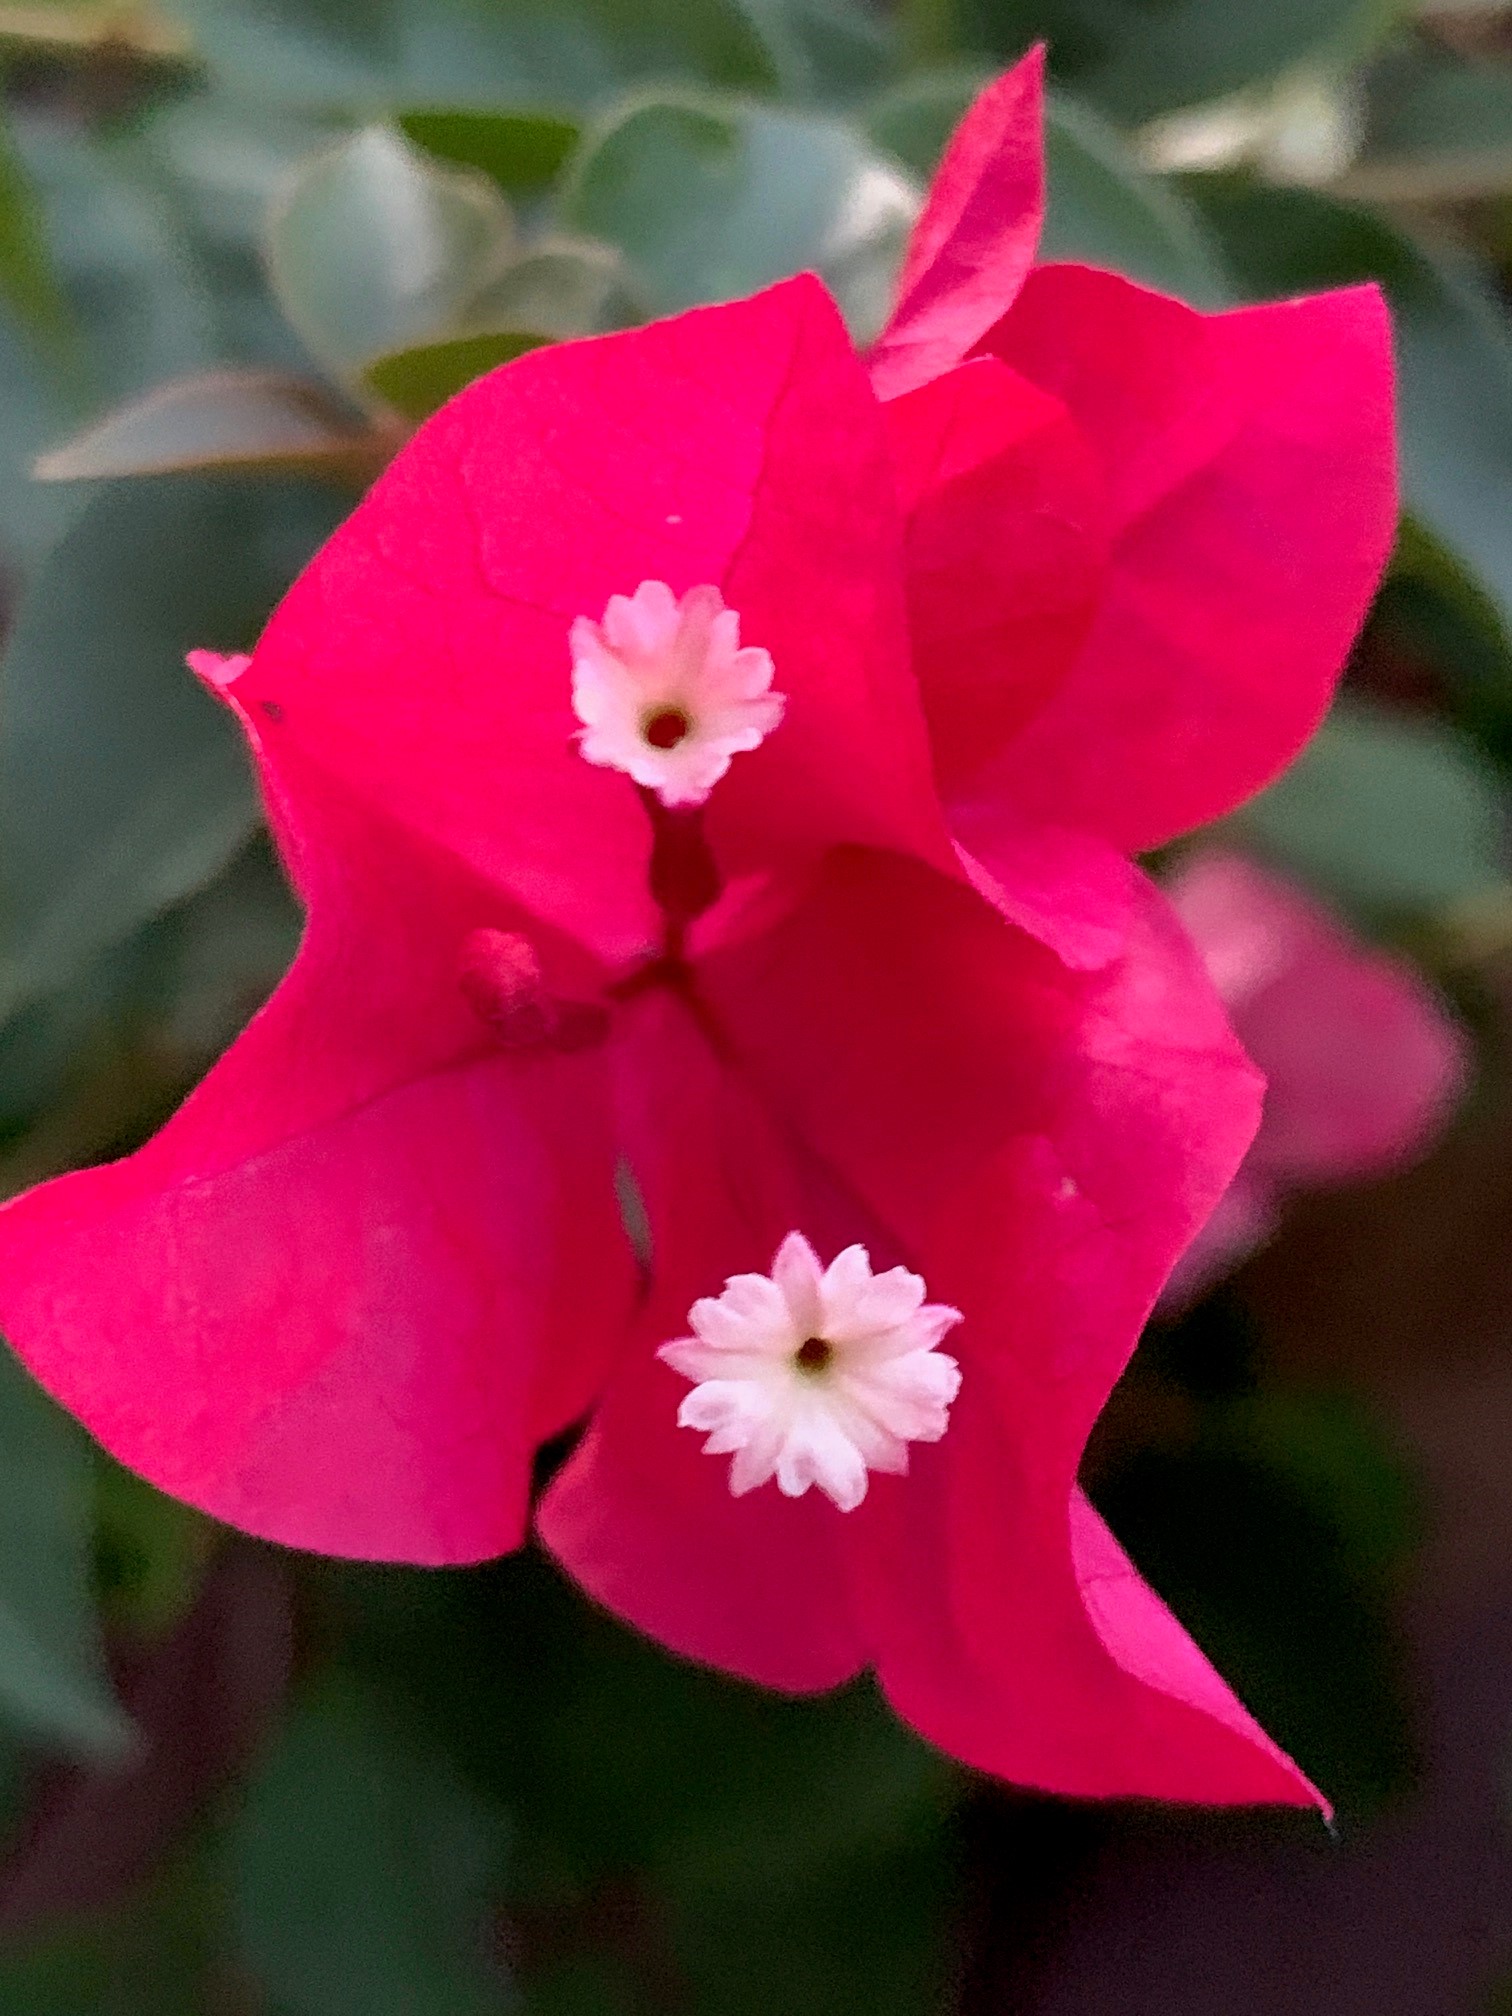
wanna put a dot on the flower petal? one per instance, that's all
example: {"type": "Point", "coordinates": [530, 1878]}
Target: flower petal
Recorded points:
{"type": "Point", "coordinates": [1042, 1144]}
{"type": "Point", "coordinates": [1072, 891]}
{"type": "Point", "coordinates": [639, 1514]}
{"type": "Point", "coordinates": [1006, 544]}
{"type": "Point", "coordinates": [373, 1260]}
{"type": "Point", "coordinates": [976, 237]}
{"type": "Point", "coordinates": [425, 652]}
{"type": "Point", "coordinates": [1040, 1655]}
{"type": "Point", "coordinates": [1252, 467]}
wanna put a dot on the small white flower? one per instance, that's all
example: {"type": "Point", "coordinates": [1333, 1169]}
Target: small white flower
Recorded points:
{"type": "Point", "coordinates": [817, 1375]}
{"type": "Point", "coordinates": [666, 693]}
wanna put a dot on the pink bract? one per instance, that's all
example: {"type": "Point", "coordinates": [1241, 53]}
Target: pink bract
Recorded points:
{"type": "Point", "coordinates": [1363, 1062]}
{"type": "Point", "coordinates": [1084, 578]}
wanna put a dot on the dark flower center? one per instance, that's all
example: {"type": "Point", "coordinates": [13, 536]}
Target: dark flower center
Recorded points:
{"type": "Point", "coordinates": [666, 727]}
{"type": "Point", "coordinates": [813, 1354]}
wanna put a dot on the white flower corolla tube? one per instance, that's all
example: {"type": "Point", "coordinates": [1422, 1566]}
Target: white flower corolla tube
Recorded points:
{"type": "Point", "coordinates": [817, 1375]}
{"type": "Point", "coordinates": [667, 693]}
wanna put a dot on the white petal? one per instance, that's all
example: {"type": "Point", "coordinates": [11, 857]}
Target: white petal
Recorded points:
{"type": "Point", "coordinates": [818, 1452]}
{"type": "Point", "coordinates": [797, 1274]}
{"type": "Point", "coordinates": [845, 1279]}
{"type": "Point", "coordinates": [882, 1386]}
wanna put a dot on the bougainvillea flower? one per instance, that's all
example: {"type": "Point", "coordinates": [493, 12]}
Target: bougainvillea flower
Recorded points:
{"type": "Point", "coordinates": [1363, 1062]}
{"type": "Point", "coordinates": [647, 751]}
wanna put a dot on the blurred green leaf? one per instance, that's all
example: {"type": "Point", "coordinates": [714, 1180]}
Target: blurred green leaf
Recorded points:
{"type": "Point", "coordinates": [378, 55]}
{"type": "Point", "coordinates": [1280, 1539]}
{"type": "Point", "coordinates": [364, 1871]}
{"type": "Point", "coordinates": [1136, 59]}
{"type": "Point", "coordinates": [225, 161]}
{"type": "Point", "coordinates": [614, 1757]}
{"type": "Point", "coordinates": [150, 1551]}
{"type": "Point", "coordinates": [1105, 210]}
{"type": "Point", "coordinates": [586, 1984]}
{"type": "Point", "coordinates": [523, 152]}
{"type": "Point", "coordinates": [562, 286]}
{"type": "Point", "coordinates": [770, 1852]}
{"type": "Point", "coordinates": [827, 51]}
{"type": "Point", "coordinates": [27, 278]}
{"type": "Point", "coordinates": [866, 1935]}
{"type": "Point", "coordinates": [1337, 1456]}
{"type": "Point", "coordinates": [374, 246]}
{"type": "Point", "coordinates": [914, 119]}
{"type": "Point", "coordinates": [122, 785]}
{"type": "Point", "coordinates": [232, 942]}
{"type": "Point", "coordinates": [219, 420]}
{"type": "Point", "coordinates": [1388, 814]}
{"type": "Point", "coordinates": [173, 993]}
{"type": "Point", "coordinates": [709, 199]}
{"type": "Point", "coordinates": [1438, 128]}
{"type": "Point", "coordinates": [416, 382]}
{"type": "Point", "coordinates": [143, 312]}
{"type": "Point", "coordinates": [130, 272]}
{"type": "Point", "coordinates": [1454, 350]}
{"type": "Point", "coordinates": [52, 1681]}
{"type": "Point", "coordinates": [32, 413]}
{"type": "Point", "coordinates": [157, 1956]}
{"type": "Point", "coordinates": [1432, 610]}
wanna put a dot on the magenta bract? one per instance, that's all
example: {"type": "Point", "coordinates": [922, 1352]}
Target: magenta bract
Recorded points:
{"type": "Point", "coordinates": [1363, 1061]}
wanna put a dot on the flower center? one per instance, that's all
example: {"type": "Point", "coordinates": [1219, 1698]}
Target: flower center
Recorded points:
{"type": "Point", "coordinates": [813, 1355]}
{"type": "Point", "coordinates": [816, 1375]}
{"type": "Point", "coordinates": [653, 643]}
{"type": "Point", "coordinates": [666, 727]}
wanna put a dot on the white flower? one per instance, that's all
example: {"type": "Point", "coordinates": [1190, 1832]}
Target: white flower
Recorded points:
{"type": "Point", "coordinates": [817, 1375]}
{"type": "Point", "coordinates": [666, 693]}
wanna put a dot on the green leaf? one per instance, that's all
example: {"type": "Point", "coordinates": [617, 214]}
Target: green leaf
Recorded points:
{"type": "Point", "coordinates": [561, 286]}
{"type": "Point", "coordinates": [150, 1551]}
{"type": "Point", "coordinates": [913, 120]}
{"type": "Point", "coordinates": [709, 199]}
{"type": "Point", "coordinates": [523, 152]}
{"type": "Point", "coordinates": [1391, 815]}
{"type": "Point", "coordinates": [827, 51]}
{"type": "Point", "coordinates": [378, 55]}
{"type": "Point", "coordinates": [1454, 351]}
{"type": "Point", "coordinates": [123, 786]}
{"type": "Point", "coordinates": [865, 1936]}
{"type": "Point", "coordinates": [131, 274]}
{"type": "Point", "coordinates": [1136, 60]}
{"type": "Point", "coordinates": [52, 1680]}
{"type": "Point", "coordinates": [784, 1854]}
{"type": "Point", "coordinates": [218, 420]}
{"type": "Point", "coordinates": [143, 315]}
{"type": "Point", "coordinates": [1430, 609]}
{"type": "Point", "coordinates": [416, 382]}
{"type": "Point", "coordinates": [160, 1954]}
{"type": "Point", "coordinates": [1105, 210]}
{"type": "Point", "coordinates": [364, 1871]}
{"type": "Point", "coordinates": [1437, 128]}
{"type": "Point", "coordinates": [613, 1757]}
{"type": "Point", "coordinates": [28, 280]}
{"type": "Point", "coordinates": [583, 1984]}
{"type": "Point", "coordinates": [374, 246]}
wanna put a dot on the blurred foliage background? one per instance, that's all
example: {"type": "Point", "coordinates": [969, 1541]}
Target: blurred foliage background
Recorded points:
{"type": "Point", "coordinates": [244, 246]}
